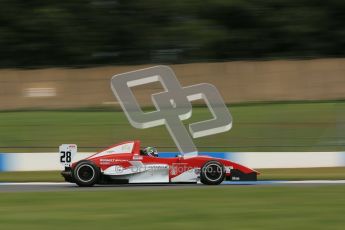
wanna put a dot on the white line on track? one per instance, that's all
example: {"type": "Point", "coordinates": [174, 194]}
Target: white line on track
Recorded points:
{"type": "Point", "coordinates": [268, 182]}
{"type": "Point", "coordinates": [314, 181]}
{"type": "Point", "coordinates": [34, 183]}
{"type": "Point", "coordinates": [273, 182]}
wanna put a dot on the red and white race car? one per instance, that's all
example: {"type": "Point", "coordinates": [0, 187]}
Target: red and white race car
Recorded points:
{"type": "Point", "coordinates": [127, 163]}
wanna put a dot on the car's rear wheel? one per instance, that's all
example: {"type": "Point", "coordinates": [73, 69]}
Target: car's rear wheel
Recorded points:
{"type": "Point", "coordinates": [212, 173]}
{"type": "Point", "coordinates": [86, 174]}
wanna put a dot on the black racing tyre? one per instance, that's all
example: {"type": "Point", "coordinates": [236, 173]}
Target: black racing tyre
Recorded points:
{"type": "Point", "coordinates": [86, 174]}
{"type": "Point", "coordinates": [212, 173]}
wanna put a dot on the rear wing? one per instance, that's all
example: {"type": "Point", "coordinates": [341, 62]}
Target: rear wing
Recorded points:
{"type": "Point", "coordinates": [67, 153]}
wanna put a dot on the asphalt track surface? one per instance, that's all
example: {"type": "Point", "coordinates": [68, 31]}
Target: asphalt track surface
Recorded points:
{"type": "Point", "coordinates": [61, 186]}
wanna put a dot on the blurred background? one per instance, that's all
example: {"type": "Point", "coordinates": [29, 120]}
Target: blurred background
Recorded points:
{"type": "Point", "coordinates": [278, 64]}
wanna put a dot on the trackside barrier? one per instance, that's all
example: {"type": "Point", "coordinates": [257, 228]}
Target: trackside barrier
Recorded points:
{"type": "Point", "coordinates": [50, 161]}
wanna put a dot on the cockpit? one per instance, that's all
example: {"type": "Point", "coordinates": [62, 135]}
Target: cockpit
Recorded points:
{"type": "Point", "coordinates": [149, 151]}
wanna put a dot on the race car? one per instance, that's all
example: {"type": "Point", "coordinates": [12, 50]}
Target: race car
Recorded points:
{"type": "Point", "coordinates": [127, 163]}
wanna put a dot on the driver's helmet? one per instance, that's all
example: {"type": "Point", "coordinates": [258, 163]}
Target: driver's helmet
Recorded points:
{"type": "Point", "coordinates": [150, 151]}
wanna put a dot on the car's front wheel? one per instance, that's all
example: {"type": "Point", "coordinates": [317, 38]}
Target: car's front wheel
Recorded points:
{"type": "Point", "coordinates": [212, 173]}
{"type": "Point", "coordinates": [86, 174]}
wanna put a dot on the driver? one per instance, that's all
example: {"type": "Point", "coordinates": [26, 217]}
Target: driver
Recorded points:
{"type": "Point", "coordinates": [149, 151]}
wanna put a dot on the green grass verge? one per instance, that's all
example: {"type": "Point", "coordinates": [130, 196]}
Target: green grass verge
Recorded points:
{"type": "Point", "coordinates": [233, 207]}
{"type": "Point", "coordinates": [266, 174]}
{"type": "Point", "coordinates": [256, 127]}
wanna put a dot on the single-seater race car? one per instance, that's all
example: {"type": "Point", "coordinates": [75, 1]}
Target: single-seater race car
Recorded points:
{"type": "Point", "coordinates": [127, 163]}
